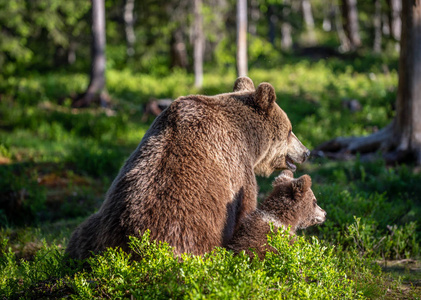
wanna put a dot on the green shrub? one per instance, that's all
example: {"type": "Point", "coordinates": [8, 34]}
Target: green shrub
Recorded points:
{"type": "Point", "coordinates": [307, 269]}
{"type": "Point", "coordinates": [22, 199]}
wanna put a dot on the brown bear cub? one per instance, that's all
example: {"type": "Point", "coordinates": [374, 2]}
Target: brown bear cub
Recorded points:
{"type": "Point", "coordinates": [291, 203]}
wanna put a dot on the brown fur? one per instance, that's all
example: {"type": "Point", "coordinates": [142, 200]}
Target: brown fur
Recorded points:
{"type": "Point", "coordinates": [192, 177]}
{"type": "Point", "coordinates": [291, 203]}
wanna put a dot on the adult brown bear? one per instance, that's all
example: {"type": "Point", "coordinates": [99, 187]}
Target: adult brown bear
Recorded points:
{"type": "Point", "coordinates": [192, 177]}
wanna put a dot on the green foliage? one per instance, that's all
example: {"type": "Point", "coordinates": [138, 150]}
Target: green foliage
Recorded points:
{"type": "Point", "coordinates": [22, 199]}
{"type": "Point", "coordinates": [307, 269]}
{"type": "Point", "coordinates": [63, 160]}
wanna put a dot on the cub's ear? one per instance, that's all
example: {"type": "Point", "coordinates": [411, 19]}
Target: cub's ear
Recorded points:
{"type": "Point", "coordinates": [285, 176]}
{"type": "Point", "coordinates": [265, 96]}
{"type": "Point", "coordinates": [301, 184]}
{"type": "Point", "coordinates": [243, 84]}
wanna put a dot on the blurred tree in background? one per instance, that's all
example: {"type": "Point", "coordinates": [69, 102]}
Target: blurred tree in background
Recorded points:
{"type": "Point", "coordinates": [156, 36]}
{"type": "Point", "coordinates": [199, 36]}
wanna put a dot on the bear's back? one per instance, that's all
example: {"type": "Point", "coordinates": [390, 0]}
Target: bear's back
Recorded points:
{"type": "Point", "coordinates": [179, 181]}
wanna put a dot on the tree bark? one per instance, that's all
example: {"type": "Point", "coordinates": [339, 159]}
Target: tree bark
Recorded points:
{"type": "Point", "coordinates": [198, 44]}
{"type": "Point", "coordinates": [242, 38]}
{"type": "Point", "coordinates": [178, 49]}
{"type": "Point", "coordinates": [345, 43]}
{"type": "Point", "coordinates": [350, 18]}
{"type": "Point", "coordinates": [395, 22]}
{"type": "Point", "coordinates": [407, 127]}
{"type": "Point", "coordinates": [309, 21]}
{"type": "Point", "coordinates": [400, 141]}
{"type": "Point", "coordinates": [96, 88]}
{"type": "Point", "coordinates": [272, 20]}
{"type": "Point", "coordinates": [128, 27]}
{"type": "Point", "coordinates": [286, 38]}
{"type": "Point", "coordinates": [377, 22]}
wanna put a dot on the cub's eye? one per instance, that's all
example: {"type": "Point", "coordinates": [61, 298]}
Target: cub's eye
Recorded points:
{"type": "Point", "coordinates": [289, 133]}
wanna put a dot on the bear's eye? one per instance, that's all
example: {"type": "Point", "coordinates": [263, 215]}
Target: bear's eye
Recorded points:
{"type": "Point", "coordinates": [289, 133]}
{"type": "Point", "coordinates": [314, 202]}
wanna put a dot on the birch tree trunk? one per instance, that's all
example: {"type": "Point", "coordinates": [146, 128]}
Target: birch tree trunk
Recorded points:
{"type": "Point", "coordinates": [309, 21]}
{"type": "Point", "coordinates": [286, 38]}
{"type": "Point", "coordinates": [198, 44]}
{"type": "Point", "coordinates": [128, 26]}
{"type": "Point", "coordinates": [242, 38]}
{"type": "Point", "coordinates": [395, 22]}
{"type": "Point", "coordinates": [96, 89]}
{"type": "Point", "coordinates": [377, 22]}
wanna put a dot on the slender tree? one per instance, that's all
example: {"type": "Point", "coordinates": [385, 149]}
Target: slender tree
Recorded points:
{"type": "Point", "coordinates": [242, 37]}
{"type": "Point", "coordinates": [308, 20]}
{"type": "Point", "coordinates": [96, 89]}
{"type": "Point", "coordinates": [350, 17]}
{"type": "Point", "coordinates": [128, 26]}
{"type": "Point", "coordinates": [377, 22]}
{"type": "Point", "coordinates": [286, 28]}
{"type": "Point", "coordinates": [198, 43]}
{"type": "Point", "coordinates": [178, 49]}
{"type": "Point", "coordinates": [395, 22]}
{"type": "Point", "coordinates": [400, 141]}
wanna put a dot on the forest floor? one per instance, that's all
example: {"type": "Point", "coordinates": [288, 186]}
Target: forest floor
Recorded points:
{"type": "Point", "coordinates": [57, 162]}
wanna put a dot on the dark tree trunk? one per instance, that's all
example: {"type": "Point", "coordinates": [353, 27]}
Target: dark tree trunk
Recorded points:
{"type": "Point", "coordinates": [242, 37]}
{"type": "Point", "coordinates": [407, 126]}
{"type": "Point", "coordinates": [128, 26]}
{"type": "Point", "coordinates": [350, 18]}
{"type": "Point", "coordinates": [377, 22]}
{"type": "Point", "coordinates": [345, 43]}
{"type": "Point", "coordinates": [95, 92]}
{"type": "Point", "coordinates": [198, 44]}
{"type": "Point", "coordinates": [272, 20]}
{"type": "Point", "coordinates": [401, 139]}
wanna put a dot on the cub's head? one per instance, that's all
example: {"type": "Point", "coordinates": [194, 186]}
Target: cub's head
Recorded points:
{"type": "Point", "coordinates": [293, 202]}
{"type": "Point", "coordinates": [282, 149]}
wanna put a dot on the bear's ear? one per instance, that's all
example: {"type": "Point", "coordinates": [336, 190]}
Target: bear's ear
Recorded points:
{"type": "Point", "coordinates": [243, 84]}
{"type": "Point", "coordinates": [301, 184]}
{"type": "Point", "coordinates": [285, 176]}
{"type": "Point", "coordinates": [265, 96]}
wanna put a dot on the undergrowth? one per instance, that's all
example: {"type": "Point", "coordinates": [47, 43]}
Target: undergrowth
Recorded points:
{"type": "Point", "coordinates": [56, 164]}
{"type": "Point", "coordinates": [307, 269]}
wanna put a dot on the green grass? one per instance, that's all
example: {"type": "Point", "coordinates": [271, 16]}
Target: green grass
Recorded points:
{"type": "Point", "coordinates": [56, 164]}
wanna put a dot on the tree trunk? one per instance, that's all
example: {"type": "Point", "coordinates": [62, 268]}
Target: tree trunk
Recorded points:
{"type": "Point", "coordinates": [128, 26]}
{"type": "Point", "coordinates": [309, 21]}
{"type": "Point", "coordinates": [272, 20]}
{"type": "Point", "coordinates": [345, 43]}
{"type": "Point", "coordinates": [407, 126]}
{"type": "Point", "coordinates": [241, 37]}
{"type": "Point", "coordinates": [96, 88]}
{"type": "Point", "coordinates": [178, 49]}
{"type": "Point", "coordinates": [395, 22]}
{"type": "Point", "coordinates": [328, 15]}
{"type": "Point", "coordinates": [286, 38]}
{"type": "Point", "coordinates": [198, 44]}
{"type": "Point", "coordinates": [254, 16]}
{"type": "Point", "coordinates": [350, 18]}
{"type": "Point", "coordinates": [377, 22]}
{"type": "Point", "coordinates": [401, 139]}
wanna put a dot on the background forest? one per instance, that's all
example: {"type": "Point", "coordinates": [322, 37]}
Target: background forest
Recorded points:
{"type": "Point", "coordinates": [334, 66]}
